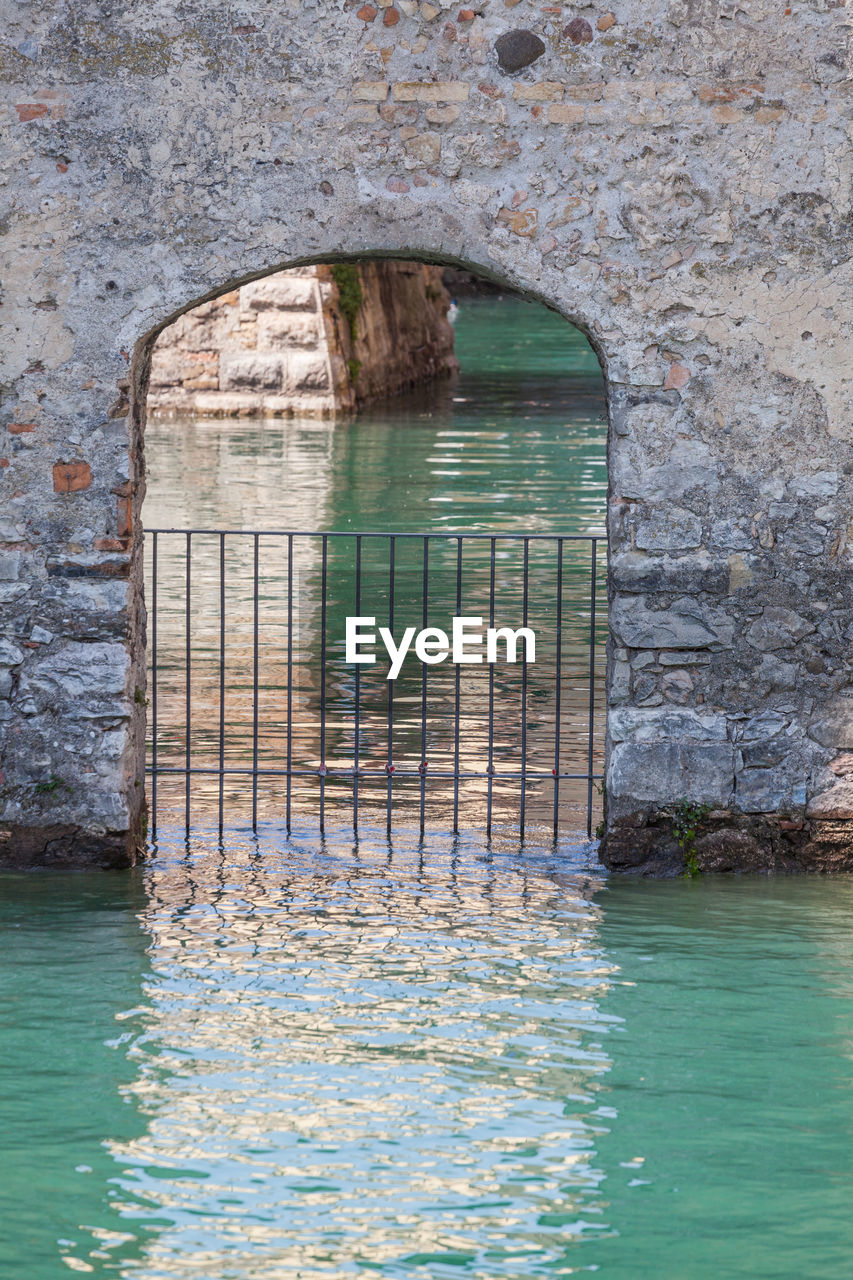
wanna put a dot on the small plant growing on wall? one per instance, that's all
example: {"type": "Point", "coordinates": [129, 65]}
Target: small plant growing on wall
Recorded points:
{"type": "Point", "coordinates": [47, 788]}
{"type": "Point", "coordinates": [350, 295]}
{"type": "Point", "coordinates": [687, 819]}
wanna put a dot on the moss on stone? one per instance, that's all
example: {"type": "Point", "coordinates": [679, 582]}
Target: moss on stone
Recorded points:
{"type": "Point", "coordinates": [350, 295]}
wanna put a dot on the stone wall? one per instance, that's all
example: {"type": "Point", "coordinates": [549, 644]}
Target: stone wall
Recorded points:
{"type": "Point", "coordinates": [283, 345]}
{"type": "Point", "coordinates": [674, 176]}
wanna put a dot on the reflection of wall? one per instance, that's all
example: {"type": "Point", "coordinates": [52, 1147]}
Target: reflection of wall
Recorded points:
{"type": "Point", "coordinates": [290, 345]}
{"type": "Point", "coordinates": [325, 1035]}
{"type": "Point", "coordinates": [229, 475]}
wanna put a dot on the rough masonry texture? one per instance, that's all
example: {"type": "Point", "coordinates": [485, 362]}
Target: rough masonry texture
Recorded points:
{"type": "Point", "coordinates": [673, 176]}
{"type": "Point", "coordinates": [284, 345]}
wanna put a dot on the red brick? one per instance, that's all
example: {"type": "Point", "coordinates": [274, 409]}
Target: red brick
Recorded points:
{"type": "Point", "coordinates": [20, 428]}
{"type": "Point", "coordinates": [110, 544]}
{"type": "Point", "coordinates": [4, 462]}
{"type": "Point", "coordinates": [678, 377]}
{"type": "Point", "coordinates": [367, 13]}
{"type": "Point", "coordinates": [30, 111]}
{"type": "Point", "coordinates": [124, 521]}
{"type": "Point", "coordinates": [390, 17]}
{"type": "Point", "coordinates": [467, 15]}
{"type": "Point", "coordinates": [68, 477]}
{"type": "Point", "coordinates": [730, 92]}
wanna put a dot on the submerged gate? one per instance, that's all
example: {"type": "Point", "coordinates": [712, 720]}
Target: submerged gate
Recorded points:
{"type": "Point", "coordinates": [255, 715]}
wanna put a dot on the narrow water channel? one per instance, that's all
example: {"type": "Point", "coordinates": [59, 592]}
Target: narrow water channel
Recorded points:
{"type": "Point", "coordinates": [313, 1059]}
{"type": "Point", "coordinates": [515, 445]}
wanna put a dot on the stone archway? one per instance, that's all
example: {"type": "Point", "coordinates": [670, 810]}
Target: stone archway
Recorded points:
{"type": "Point", "coordinates": [538, 410]}
{"type": "Point", "coordinates": [694, 226]}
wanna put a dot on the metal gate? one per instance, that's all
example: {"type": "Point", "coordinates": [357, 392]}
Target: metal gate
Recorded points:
{"type": "Point", "coordinates": [255, 715]}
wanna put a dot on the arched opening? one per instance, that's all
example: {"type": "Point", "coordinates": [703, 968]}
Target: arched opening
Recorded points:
{"type": "Point", "coordinates": [279, 508]}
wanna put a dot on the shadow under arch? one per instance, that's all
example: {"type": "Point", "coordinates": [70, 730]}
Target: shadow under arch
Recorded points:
{"type": "Point", "coordinates": [143, 351]}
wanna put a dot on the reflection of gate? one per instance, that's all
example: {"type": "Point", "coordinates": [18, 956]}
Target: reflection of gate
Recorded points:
{"type": "Point", "coordinates": [255, 715]}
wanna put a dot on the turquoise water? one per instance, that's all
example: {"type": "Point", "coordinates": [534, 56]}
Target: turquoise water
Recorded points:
{"type": "Point", "coordinates": [312, 1060]}
{"type": "Point", "coordinates": [285, 1060]}
{"type": "Point", "coordinates": [515, 444]}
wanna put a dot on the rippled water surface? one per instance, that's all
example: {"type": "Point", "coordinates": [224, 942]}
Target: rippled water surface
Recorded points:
{"type": "Point", "coordinates": [261, 1059]}
{"type": "Point", "coordinates": [284, 1060]}
{"type": "Point", "coordinates": [514, 445]}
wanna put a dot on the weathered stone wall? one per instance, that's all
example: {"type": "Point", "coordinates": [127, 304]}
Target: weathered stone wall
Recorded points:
{"type": "Point", "coordinates": [674, 176]}
{"type": "Point", "coordinates": [402, 333]}
{"type": "Point", "coordinates": [283, 345]}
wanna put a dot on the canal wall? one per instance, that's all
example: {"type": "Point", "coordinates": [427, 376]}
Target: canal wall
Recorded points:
{"type": "Point", "coordinates": [314, 341]}
{"type": "Point", "coordinates": [673, 176]}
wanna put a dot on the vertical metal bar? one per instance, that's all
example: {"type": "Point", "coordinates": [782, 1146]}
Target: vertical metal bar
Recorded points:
{"type": "Point", "coordinates": [424, 623]}
{"type": "Point", "coordinates": [589, 756]}
{"type": "Point", "coordinates": [491, 765]}
{"type": "Point", "coordinates": [389, 768]}
{"type": "Point", "coordinates": [255, 692]}
{"type": "Point", "coordinates": [525, 583]}
{"type": "Point", "coordinates": [558, 686]}
{"type": "Point", "coordinates": [323, 579]}
{"type": "Point", "coordinates": [221, 676]}
{"type": "Point", "coordinates": [289, 679]}
{"type": "Point", "coordinates": [456, 698]}
{"type": "Point", "coordinates": [357, 726]}
{"type": "Point", "coordinates": [188, 667]}
{"type": "Point", "coordinates": [154, 684]}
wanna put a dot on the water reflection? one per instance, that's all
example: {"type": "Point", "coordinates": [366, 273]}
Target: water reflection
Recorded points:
{"type": "Point", "coordinates": [302, 668]}
{"type": "Point", "coordinates": [516, 445]}
{"type": "Point", "coordinates": [384, 1058]}
{"type": "Point", "coordinates": [525, 422]}
{"type": "Point", "coordinates": [274, 1060]}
